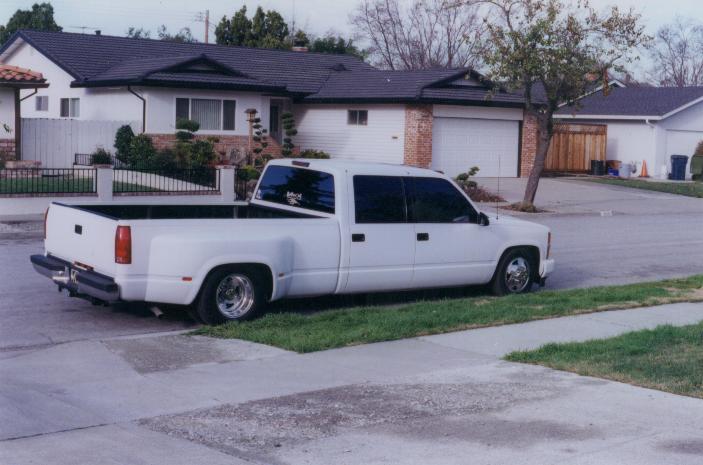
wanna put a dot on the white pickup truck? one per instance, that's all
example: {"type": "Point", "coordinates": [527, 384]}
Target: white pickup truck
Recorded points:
{"type": "Point", "coordinates": [314, 227]}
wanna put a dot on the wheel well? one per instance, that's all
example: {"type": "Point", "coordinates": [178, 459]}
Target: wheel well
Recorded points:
{"type": "Point", "coordinates": [534, 255]}
{"type": "Point", "coordinates": [257, 268]}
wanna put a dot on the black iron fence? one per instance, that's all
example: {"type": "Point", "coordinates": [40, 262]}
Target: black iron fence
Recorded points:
{"type": "Point", "coordinates": [186, 181]}
{"type": "Point", "coordinates": [241, 188]}
{"type": "Point", "coordinates": [88, 159]}
{"type": "Point", "coordinates": [32, 181]}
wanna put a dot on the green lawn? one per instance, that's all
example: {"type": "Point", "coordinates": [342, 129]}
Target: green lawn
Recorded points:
{"type": "Point", "coordinates": [689, 189]}
{"type": "Point", "coordinates": [666, 358]}
{"type": "Point", "coordinates": [351, 326]}
{"type": "Point", "coordinates": [49, 185]}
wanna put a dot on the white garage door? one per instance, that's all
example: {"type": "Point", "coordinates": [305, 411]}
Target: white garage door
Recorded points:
{"type": "Point", "coordinates": [460, 143]}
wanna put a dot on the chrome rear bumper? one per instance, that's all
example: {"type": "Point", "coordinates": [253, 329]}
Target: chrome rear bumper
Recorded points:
{"type": "Point", "coordinates": [79, 282]}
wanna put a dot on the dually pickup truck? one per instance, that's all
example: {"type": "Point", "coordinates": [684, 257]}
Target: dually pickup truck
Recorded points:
{"type": "Point", "coordinates": [313, 227]}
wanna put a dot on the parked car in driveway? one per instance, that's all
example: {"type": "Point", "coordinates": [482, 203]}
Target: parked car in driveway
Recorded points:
{"type": "Point", "coordinates": [314, 227]}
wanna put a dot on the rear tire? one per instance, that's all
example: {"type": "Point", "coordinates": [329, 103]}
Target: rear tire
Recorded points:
{"type": "Point", "coordinates": [515, 273]}
{"type": "Point", "coordinates": [231, 294]}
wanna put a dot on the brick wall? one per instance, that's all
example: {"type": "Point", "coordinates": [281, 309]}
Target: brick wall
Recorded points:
{"type": "Point", "coordinates": [528, 147]}
{"type": "Point", "coordinates": [7, 149]}
{"type": "Point", "coordinates": [418, 135]}
{"type": "Point", "coordinates": [222, 146]}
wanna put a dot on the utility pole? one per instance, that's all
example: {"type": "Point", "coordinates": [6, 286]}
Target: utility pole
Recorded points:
{"type": "Point", "coordinates": [207, 25]}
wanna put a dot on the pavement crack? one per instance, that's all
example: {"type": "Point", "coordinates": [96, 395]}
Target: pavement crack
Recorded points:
{"type": "Point", "coordinates": [48, 433]}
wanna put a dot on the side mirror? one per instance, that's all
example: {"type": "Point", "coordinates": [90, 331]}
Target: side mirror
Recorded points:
{"type": "Point", "coordinates": [483, 219]}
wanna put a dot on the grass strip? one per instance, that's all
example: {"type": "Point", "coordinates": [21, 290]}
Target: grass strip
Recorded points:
{"type": "Point", "coordinates": [666, 358]}
{"type": "Point", "coordinates": [689, 189]}
{"type": "Point", "coordinates": [360, 325]}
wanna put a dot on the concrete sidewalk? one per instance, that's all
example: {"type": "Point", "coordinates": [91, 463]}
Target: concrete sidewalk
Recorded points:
{"type": "Point", "coordinates": [444, 399]}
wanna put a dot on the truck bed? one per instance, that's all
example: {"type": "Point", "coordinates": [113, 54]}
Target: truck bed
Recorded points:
{"type": "Point", "coordinates": [174, 212]}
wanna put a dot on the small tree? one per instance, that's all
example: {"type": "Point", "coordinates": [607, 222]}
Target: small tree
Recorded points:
{"type": "Point", "coordinates": [141, 151]}
{"type": "Point", "coordinates": [288, 123]}
{"type": "Point", "coordinates": [552, 52]}
{"type": "Point", "coordinates": [123, 142]}
{"type": "Point", "coordinates": [260, 138]}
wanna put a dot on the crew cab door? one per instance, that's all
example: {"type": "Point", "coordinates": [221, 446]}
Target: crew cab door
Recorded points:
{"type": "Point", "coordinates": [451, 248]}
{"type": "Point", "coordinates": [382, 242]}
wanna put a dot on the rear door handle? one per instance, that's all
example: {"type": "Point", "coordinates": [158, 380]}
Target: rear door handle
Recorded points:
{"type": "Point", "coordinates": [358, 237]}
{"type": "Point", "coordinates": [423, 236]}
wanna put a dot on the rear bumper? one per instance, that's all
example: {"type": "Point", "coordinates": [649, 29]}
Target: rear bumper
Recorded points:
{"type": "Point", "coordinates": [78, 281]}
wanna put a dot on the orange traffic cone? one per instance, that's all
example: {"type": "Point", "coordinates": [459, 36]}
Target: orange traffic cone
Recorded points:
{"type": "Point", "coordinates": [643, 172]}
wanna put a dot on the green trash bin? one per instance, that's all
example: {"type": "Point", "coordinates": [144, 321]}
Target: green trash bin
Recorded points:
{"type": "Point", "coordinates": [697, 167]}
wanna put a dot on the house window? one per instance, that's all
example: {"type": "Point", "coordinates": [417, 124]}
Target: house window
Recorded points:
{"type": "Point", "coordinates": [211, 114]}
{"type": "Point", "coordinates": [358, 117]}
{"type": "Point", "coordinates": [70, 107]}
{"type": "Point", "coordinates": [41, 103]}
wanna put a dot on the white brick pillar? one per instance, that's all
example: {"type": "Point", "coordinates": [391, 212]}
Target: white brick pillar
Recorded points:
{"type": "Point", "coordinates": [226, 182]}
{"type": "Point", "coordinates": [103, 178]}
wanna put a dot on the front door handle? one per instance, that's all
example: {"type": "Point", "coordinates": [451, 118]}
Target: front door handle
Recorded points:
{"type": "Point", "coordinates": [358, 237]}
{"type": "Point", "coordinates": [423, 236]}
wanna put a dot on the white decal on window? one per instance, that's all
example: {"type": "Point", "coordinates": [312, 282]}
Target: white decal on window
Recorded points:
{"type": "Point", "coordinates": [293, 198]}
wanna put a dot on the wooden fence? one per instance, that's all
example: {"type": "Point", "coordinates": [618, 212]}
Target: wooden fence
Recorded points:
{"type": "Point", "coordinates": [54, 142]}
{"type": "Point", "coordinates": [575, 145]}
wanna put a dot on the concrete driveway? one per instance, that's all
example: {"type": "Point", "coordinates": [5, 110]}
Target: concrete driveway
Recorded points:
{"type": "Point", "coordinates": [606, 234]}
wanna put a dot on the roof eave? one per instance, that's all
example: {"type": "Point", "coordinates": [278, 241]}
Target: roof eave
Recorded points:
{"type": "Point", "coordinates": [178, 84]}
{"type": "Point", "coordinates": [610, 117]}
{"type": "Point", "coordinates": [24, 84]}
{"type": "Point", "coordinates": [22, 35]}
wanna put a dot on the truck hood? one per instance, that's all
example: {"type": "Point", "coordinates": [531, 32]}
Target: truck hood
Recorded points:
{"type": "Point", "coordinates": [511, 221]}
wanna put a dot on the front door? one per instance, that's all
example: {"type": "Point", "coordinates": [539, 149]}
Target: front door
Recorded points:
{"type": "Point", "coordinates": [451, 249]}
{"type": "Point", "coordinates": [382, 242]}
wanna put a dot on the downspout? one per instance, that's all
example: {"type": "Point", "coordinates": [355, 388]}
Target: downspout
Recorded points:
{"type": "Point", "coordinates": [129, 88]}
{"type": "Point", "coordinates": [18, 121]}
{"type": "Point", "coordinates": [29, 95]}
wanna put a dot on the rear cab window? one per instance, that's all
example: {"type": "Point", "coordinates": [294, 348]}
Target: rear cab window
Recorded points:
{"type": "Point", "coordinates": [297, 187]}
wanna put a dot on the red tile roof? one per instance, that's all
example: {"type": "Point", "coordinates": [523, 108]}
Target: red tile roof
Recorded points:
{"type": "Point", "coordinates": [15, 74]}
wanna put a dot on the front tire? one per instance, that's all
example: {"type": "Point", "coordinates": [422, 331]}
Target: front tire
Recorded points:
{"type": "Point", "coordinates": [515, 273]}
{"type": "Point", "coordinates": [231, 294]}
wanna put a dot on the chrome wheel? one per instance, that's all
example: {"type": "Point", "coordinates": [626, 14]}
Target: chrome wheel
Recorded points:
{"type": "Point", "coordinates": [234, 295]}
{"type": "Point", "coordinates": [517, 275]}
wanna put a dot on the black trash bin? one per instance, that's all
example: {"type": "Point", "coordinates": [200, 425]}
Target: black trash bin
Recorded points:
{"type": "Point", "coordinates": [678, 167]}
{"type": "Point", "coordinates": [598, 167]}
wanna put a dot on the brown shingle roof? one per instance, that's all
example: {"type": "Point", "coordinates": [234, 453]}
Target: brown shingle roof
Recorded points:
{"type": "Point", "coordinates": [10, 73]}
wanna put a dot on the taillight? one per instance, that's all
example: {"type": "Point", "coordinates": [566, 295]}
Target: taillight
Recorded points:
{"type": "Point", "coordinates": [549, 243]}
{"type": "Point", "coordinates": [123, 245]}
{"type": "Point", "coordinates": [46, 215]}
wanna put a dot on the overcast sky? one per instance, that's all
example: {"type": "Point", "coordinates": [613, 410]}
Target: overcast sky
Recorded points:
{"type": "Point", "coordinates": [316, 16]}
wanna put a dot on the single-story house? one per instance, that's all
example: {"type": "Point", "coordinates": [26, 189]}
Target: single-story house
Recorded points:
{"type": "Point", "coordinates": [645, 124]}
{"type": "Point", "coordinates": [12, 81]}
{"type": "Point", "coordinates": [448, 119]}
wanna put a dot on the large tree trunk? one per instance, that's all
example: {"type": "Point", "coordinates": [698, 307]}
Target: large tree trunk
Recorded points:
{"type": "Point", "coordinates": [544, 137]}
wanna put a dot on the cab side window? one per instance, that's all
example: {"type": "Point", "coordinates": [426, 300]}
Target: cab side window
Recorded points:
{"type": "Point", "coordinates": [379, 199]}
{"type": "Point", "coordinates": [436, 200]}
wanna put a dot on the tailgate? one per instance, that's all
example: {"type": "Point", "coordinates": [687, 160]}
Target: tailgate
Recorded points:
{"type": "Point", "coordinates": [82, 236]}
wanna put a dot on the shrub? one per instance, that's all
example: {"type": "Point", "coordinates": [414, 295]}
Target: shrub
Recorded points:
{"type": "Point", "coordinates": [317, 154]}
{"type": "Point", "coordinates": [699, 150]}
{"type": "Point", "coordinates": [187, 125]}
{"type": "Point", "coordinates": [247, 173]}
{"type": "Point", "coordinates": [464, 180]}
{"type": "Point", "coordinates": [123, 142]}
{"type": "Point", "coordinates": [288, 122]}
{"type": "Point", "coordinates": [101, 157]}
{"type": "Point", "coordinates": [164, 160]}
{"type": "Point", "coordinates": [202, 153]}
{"type": "Point", "coordinates": [141, 151]}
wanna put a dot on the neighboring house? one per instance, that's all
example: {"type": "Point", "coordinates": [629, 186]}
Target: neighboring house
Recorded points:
{"type": "Point", "coordinates": [644, 123]}
{"type": "Point", "coordinates": [12, 80]}
{"type": "Point", "coordinates": [448, 120]}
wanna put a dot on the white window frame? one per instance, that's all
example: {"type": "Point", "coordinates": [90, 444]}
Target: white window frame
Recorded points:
{"type": "Point", "coordinates": [73, 104]}
{"type": "Point", "coordinates": [44, 106]}
{"type": "Point", "coordinates": [357, 119]}
{"type": "Point", "coordinates": [222, 111]}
